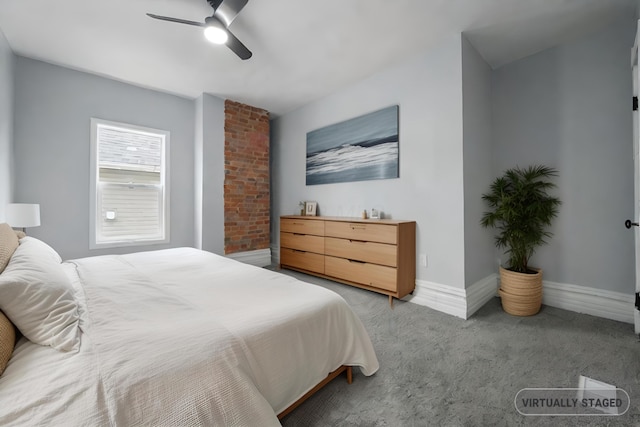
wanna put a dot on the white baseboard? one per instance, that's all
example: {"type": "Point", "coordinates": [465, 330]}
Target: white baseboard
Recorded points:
{"type": "Point", "coordinates": [463, 303]}
{"type": "Point", "coordinates": [481, 292]}
{"type": "Point", "coordinates": [259, 258]}
{"type": "Point", "coordinates": [595, 302]}
{"type": "Point", "coordinates": [458, 302]}
{"type": "Point", "coordinates": [440, 297]}
{"type": "Point", "coordinates": [275, 254]}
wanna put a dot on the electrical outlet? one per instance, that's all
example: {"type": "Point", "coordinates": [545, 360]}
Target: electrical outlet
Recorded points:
{"type": "Point", "coordinates": [423, 260]}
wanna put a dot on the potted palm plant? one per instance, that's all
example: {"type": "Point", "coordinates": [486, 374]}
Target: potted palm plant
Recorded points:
{"type": "Point", "coordinates": [521, 210]}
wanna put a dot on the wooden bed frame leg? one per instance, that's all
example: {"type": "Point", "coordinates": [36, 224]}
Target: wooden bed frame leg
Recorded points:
{"type": "Point", "coordinates": [391, 301]}
{"type": "Point", "coordinates": [331, 376]}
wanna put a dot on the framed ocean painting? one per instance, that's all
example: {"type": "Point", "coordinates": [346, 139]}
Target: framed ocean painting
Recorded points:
{"type": "Point", "coordinates": [358, 149]}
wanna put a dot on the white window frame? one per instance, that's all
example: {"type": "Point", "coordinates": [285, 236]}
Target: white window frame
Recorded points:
{"type": "Point", "coordinates": [94, 204]}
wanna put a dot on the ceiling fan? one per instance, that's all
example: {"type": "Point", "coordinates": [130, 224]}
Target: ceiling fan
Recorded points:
{"type": "Point", "coordinates": [216, 26]}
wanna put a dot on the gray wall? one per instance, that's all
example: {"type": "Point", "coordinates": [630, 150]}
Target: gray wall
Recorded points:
{"type": "Point", "coordinates": [569, 107]}
{"type": "Point", "coordinates": [428, 90]}
{"type": "Point", "coordinates": [7, 60]}
{"type": "Point", "coordinates": [198, 171]}
{"type": "Point", "coordinates": [53, 107]}
{"type": "Point", "coordinates": [213, 174]}
{"type": "Point", "coordinates": [479, 259]}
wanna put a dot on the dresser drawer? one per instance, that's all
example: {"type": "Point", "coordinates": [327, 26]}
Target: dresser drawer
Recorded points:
{"type": "Point", "coordinates": [303, 260]}
{"type": "Point", "coordinates": [372, 252]}
{"type": "Point", "coordinates": [382, 233]}
{"type": "Point", "coordinates": [303, 242]}
{"type": "Point", "coordinates": [302, 226]}
{"type": "Point", "coordinates": [361, 272]}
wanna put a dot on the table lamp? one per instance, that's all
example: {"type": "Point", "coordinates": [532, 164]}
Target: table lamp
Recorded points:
{"type": "Point", "coordinates": [23, 215]}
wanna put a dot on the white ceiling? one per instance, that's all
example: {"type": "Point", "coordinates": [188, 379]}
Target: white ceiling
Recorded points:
{"type": "Point", "coordinates": [302, 49]}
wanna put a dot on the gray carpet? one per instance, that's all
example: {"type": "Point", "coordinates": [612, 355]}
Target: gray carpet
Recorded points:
{"type": "Point", "coordinates": [438, 370]}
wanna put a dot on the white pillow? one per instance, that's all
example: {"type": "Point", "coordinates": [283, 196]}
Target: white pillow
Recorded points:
{"type": "Point", "coordinates": [37, 296]}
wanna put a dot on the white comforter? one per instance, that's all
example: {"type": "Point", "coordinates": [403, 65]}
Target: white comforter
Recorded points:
{"type": "Point", "coordinates": [184, 337]}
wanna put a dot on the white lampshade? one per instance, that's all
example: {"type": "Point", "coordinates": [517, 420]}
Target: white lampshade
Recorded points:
{"type": "Point", "coordinates": [23, 215]}
{"type": "Point", "coordinates": [216, 34]}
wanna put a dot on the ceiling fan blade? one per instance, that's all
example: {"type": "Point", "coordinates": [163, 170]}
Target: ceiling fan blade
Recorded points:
{"type": "Point", "coordinates": [227, 10]}
{"type": "Point", "coordinates": [179, 21]}
{"type": "Point", "coordinates": [237, 47]}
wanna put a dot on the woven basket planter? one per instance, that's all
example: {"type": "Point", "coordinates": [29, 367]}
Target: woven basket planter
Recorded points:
{"type": "Point", "coordinates": [521, 293]}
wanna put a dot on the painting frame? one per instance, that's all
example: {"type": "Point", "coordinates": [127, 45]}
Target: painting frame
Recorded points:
{"type": "Point", "coordinates": [310, 208]}
{"type": "Point", "coordinates": [366, 147]}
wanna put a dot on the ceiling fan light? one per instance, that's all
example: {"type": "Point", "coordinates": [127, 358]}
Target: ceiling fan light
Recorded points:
{"type": "Point", "coordinates": [216, 34]}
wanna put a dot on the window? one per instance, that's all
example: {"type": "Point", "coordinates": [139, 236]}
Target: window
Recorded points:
{"type": "Point", "coordinates": [129, 185]}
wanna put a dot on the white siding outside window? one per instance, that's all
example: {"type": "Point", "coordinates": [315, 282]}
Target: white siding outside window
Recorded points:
{"type": "Point", "coordinates": [129, 200]}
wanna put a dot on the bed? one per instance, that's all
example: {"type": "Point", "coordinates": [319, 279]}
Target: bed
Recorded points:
{"type": "Point", "coordinates": [168, 337]}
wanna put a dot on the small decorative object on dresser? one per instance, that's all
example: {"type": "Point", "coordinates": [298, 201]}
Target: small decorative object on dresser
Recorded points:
{"type": "Point", "coordinates": [310, 208]}
{"type": "Point", "coordinates": [378, 255]}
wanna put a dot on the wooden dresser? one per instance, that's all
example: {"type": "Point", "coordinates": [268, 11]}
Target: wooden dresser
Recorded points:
{"type": "Point", "coordinates": [378, 255]}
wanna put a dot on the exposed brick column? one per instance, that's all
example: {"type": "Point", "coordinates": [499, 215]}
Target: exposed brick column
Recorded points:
{"type": "Point", "coordinates": [246, 182]}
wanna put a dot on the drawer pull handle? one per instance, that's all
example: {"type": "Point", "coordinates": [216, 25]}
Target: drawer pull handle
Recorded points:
{"type": "Point", "coordinates": [299, 251]}
{"type": "Point", "coordinates": [358, 227]}
{"type": "Point", "coordinates": [357, 241]}
{"type": "Point", "coordinates": [356, 261]}
{"type": "Point", "coordinates": [299, 234]}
